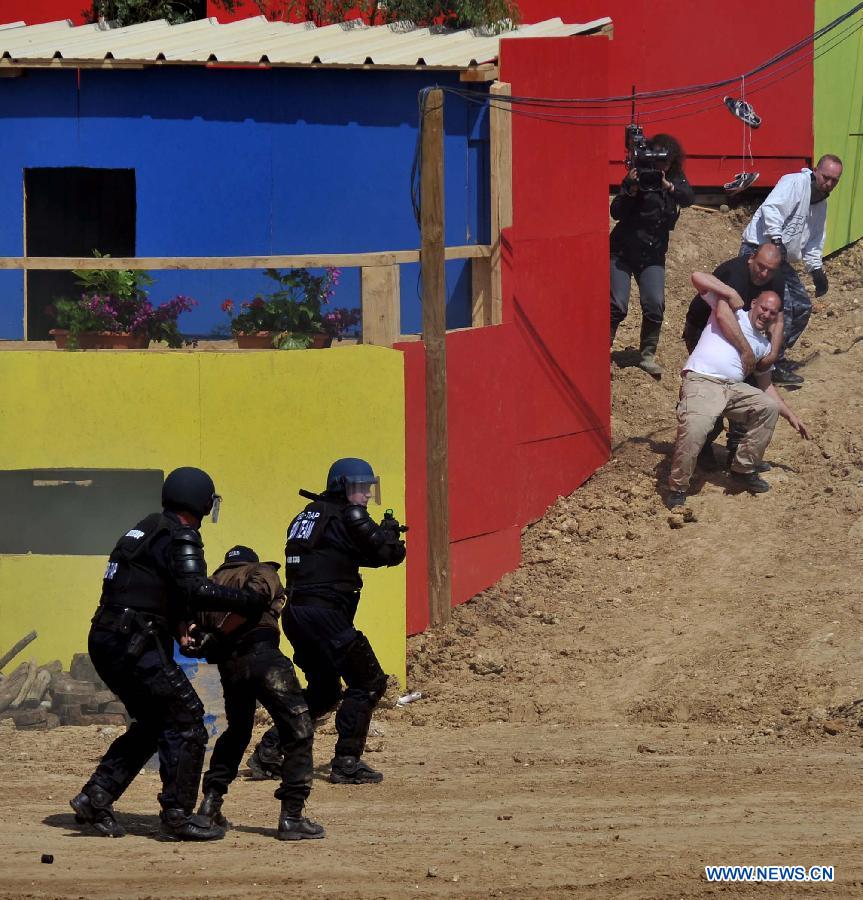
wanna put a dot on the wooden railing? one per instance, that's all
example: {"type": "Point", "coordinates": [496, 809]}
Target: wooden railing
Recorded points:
{"type": "Point", "coordinates": [379, 277]}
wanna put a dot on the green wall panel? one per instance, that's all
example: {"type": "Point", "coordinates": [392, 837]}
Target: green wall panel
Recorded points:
{"type": "Point", "coordinates": [838, 116]}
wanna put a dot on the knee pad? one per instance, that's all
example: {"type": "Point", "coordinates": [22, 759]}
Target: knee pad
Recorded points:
{"type": "Point", "coordinates": [378, 688]}
{"type": "Point", "coordinates": [361, 669]}
{"type": "Point", "coordinates": [300, 722]}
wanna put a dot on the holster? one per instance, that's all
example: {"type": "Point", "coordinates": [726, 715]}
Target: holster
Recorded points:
{"type": "Point", "coordinates": [141, 626]}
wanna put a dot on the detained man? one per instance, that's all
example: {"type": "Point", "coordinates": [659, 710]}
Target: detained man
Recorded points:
{"type": "Point", "coordinates": [714, 384]}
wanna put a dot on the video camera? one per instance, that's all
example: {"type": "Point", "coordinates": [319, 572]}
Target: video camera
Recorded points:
{"type": "Point", "coordinates": [641, 157]}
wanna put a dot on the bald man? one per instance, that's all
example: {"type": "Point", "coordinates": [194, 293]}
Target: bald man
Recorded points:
{"type": "Point", "coordinates": [794, 218]}
{"type": "Point", "coordinates": [713, 385]}
{"type": "Point", "coordinates": [748, 276]}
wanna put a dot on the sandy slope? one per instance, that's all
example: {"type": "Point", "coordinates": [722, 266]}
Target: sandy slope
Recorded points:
{"type": "Point", "coordinates": [634, 702]}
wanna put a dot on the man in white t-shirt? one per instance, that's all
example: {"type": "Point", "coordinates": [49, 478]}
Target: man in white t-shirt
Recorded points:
{"type": "Point", "coordinates": [713, 385]}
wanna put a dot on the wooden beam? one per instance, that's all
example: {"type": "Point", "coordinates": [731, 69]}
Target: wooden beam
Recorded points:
{"type": "Point", "coordinates": [480, 285]}
{"type": "Point", "coordinates": [434, 335]}
{"type": "Point", "coordinates": [294, 261]}
{"type": "Point", "coordinates": [481, 73]}
{"type": "Point", "coordinates": [500, 140]}
{"type": "Point", "coordinates": [380, 301]}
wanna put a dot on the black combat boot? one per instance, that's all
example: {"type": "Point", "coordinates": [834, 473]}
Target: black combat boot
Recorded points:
{"type": "Point", "coordinates": [261, 769]}
{"type": "Point", "coordinates": [211, 808]}
{"type": "Point", "coordinates": [294, 826]}
{"type": "Point", "coordinates": [178, 825]}
{"type": "Point", "coordinates": [352, 770]}
{"type": "Point", "coordinates": [93, 807]}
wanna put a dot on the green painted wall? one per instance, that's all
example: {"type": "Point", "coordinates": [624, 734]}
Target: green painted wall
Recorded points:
{"type": "Point", "coordinates": [838, 117]}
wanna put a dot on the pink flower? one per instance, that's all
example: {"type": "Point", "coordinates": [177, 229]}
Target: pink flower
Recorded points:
{"type": "Point", "coordinates": [228, 306]}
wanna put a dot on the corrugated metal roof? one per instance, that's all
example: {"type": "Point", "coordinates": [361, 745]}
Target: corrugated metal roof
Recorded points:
{"type": "Point", "coordinates": [256, 41]}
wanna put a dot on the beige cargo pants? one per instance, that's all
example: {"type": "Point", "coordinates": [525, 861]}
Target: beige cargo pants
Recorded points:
{"type": "Point", "coordinates": [702, 399]}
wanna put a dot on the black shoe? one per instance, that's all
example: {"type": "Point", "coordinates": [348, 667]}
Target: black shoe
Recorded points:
{"type": "Point", "coordinates": [782, 374]}
{"type": "Point", "coordinates": [101, 817]}
{"type": "Point", "coordinates": [211, 808]}
{"type": "Point", "coordinates": [352, 770]}
{"type": "Point", "coordinates": [675, 499]}
{"type": "Point", "coordinates": [261, 770]}
{"type": "Point", "coordinates": [178, 825]}
{"type": "Point", "coordinates": [299, 828]}
{"type": "Point", "coordinates": [706, 460]}
{"type": "Point", "coordinates": [751, 481]}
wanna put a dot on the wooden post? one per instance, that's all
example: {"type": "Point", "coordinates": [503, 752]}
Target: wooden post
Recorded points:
{"type": "Point", "coordinates": [434, 335]}
{"type": "Point", "coordinates": [500, 150]}
{"type": "Point", "coordinates": [380, 301]}
{"type": "Point", "coordinates": [480, 287]}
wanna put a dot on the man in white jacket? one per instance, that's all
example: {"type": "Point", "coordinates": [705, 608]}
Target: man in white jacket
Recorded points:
{"type": "Point", "coordinates": [793, 217]}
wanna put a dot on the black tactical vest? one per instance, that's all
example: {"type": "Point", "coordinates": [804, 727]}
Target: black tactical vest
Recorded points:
{"type": "Point", "coordinates": [311, 560]}
{"type": "Point", "coordinates": [134, 577]}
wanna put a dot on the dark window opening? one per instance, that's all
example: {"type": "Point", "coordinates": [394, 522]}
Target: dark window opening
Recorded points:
{"type": "Point", "coordinates": [72, 212]}
{"type": "Point", "coordinates": [74, 512]}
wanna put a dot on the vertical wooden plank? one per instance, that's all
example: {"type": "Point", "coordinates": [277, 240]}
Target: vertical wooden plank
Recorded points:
{"type": "Point", "coordinates": [500, 148]}
{"type": "Point", "coordinates": [434, 335]}
{"type": "Point", "coordinates": [380, 301]}
{"type": "Point", "coordinates": [480, 285]}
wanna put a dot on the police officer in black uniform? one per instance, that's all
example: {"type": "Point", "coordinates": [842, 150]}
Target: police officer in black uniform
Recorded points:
{"type": "Point", "coordinates": [252, 668]}
{"type": "Point", "coordinates": [327, 544]}
{"type": "Point", "coordinates": [156, 576]}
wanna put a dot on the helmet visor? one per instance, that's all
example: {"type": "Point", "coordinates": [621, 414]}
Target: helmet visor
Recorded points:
{"type": "Point", "coordinates": [363, 490]}
{"type": "Point", "coordinates": [217, 505]}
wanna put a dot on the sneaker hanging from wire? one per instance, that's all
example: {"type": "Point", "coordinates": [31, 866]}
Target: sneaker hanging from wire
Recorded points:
{"type": "Point", "coordinates": [740, 182]}
{"type": "Point", "coordinates": [743, 111]}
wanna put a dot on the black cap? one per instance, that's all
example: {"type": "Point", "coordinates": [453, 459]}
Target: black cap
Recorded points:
{"type": "Point", "coordinates": [241, 554]}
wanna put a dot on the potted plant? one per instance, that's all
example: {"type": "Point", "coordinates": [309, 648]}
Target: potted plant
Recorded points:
{"type": "Point", "coordinates": [294, 315]}
{"type": "Point", "coordinates": [113, 312]}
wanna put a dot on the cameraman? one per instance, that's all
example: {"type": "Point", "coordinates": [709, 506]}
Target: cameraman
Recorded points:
{"type": "Point", "coordinates": [646, 209]}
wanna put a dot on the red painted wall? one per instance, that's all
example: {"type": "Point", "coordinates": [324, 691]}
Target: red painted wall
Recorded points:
{"type": "Point", "coordinates": [528, 400]}
{"type": "Point", "coordinates": [34, 12]}
{"type": "Point", "coordinates": [670, 43]}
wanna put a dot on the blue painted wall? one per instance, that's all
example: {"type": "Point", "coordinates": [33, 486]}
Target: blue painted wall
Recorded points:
{"type": "Point", "coordinates": [238, 162]}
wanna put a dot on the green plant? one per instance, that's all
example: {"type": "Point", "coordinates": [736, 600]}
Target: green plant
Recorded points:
{"type": "Point", "coordinates": [114, 301]}
{"type": "Point", "coordinates": [295, 310]}
{"type": "Point", "coordinates": [493, 15]}
{"type": "Point", "coordinates": [130, 12]}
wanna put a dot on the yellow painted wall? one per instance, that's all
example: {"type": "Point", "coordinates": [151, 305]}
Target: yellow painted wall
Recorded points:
{"type": "Point", "coordinates": [263, 424]}
{"type": "Point", "coordinates": [838, 119]}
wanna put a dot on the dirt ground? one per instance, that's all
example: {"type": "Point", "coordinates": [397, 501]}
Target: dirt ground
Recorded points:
{"type": "Point", "coordinates": [636, 701]}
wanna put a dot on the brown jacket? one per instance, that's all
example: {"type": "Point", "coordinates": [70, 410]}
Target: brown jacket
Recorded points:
{"type": "Point", "coordinates": [261, 577]}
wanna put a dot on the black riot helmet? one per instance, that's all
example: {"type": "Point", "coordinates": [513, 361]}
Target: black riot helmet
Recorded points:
{"type": "Point", "coordinates": [351, 475]}
{"type": "Point", "coordinates": [191, 490]}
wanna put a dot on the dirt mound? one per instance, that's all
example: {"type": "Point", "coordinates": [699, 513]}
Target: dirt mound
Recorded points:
{"type": "Point", "coordinates": [623, 613]}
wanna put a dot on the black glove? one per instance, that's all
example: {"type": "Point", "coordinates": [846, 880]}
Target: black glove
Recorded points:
{"type": "Point", "coordinates": [819, 279]}
{"type": "Point", "coordinates": [782, 248]}
{"type": "Point", "coordinates": [202, 644]}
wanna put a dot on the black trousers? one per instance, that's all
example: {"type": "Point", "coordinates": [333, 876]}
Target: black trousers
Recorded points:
{"type": "Point", "coordinates": [263, 673]}
{"type": "Point", "coordinates": [330, 650]}
{"type": "Point", "coordinates": [167, 715]}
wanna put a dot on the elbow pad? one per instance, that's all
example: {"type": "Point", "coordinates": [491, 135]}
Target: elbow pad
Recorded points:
{"type": "Point", "coordinates": [218, 597]}
{"type": "Point", "coordinates": [364, 531]}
